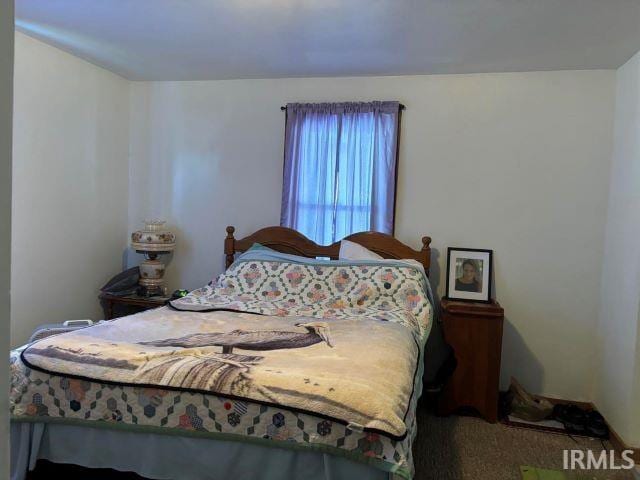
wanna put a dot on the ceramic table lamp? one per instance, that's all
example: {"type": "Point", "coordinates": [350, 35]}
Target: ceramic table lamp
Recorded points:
{"type": "Point", "coordinates": [153, 240]}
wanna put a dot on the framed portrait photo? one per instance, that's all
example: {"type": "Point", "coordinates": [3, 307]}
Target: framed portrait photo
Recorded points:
{"type": "Point", "coordinates": [469, 274]}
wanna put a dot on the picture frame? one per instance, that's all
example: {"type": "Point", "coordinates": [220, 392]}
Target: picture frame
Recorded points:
{"type": "Point", "coordinates": [469, 274]}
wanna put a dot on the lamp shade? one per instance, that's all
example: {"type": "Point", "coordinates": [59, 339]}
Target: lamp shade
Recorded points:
{"type": "Point", "coordinates": [153, 238]}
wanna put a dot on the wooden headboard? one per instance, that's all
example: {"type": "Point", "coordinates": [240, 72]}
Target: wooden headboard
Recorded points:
{"type": "Point", "coordinates": [287, 240]}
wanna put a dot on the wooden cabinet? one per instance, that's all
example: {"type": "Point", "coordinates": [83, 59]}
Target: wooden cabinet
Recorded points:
{"type": "Point", "coordinates": [474, 330]}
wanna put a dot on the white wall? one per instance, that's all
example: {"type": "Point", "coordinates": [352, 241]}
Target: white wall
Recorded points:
{"type": "Point", "coordinates": [6, 78]}
{"type": "Point", "coordinates": [70, 186]}
{"type": "Point", "coordinates": [518, 163]}
{"type": "Point", "coordinates": [617, 389]}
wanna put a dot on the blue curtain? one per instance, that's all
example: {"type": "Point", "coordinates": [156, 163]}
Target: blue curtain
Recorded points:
{"type": "Point", "coordinates": [339, 169]}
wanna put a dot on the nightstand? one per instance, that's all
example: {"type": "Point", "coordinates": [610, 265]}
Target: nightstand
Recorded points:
{"type": "Point", "coordinates": [115, 306]}
{"type": "Point", "coordinates": [474, 330]}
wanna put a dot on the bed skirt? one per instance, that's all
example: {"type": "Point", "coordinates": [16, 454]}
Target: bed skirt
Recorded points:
{"type": "Point", "coordinates": [171, 457]}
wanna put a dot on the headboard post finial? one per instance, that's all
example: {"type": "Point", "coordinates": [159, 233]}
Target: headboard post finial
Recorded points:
{"type": "Point", "coordinates": [426, 252]}
{"type": "Point", "coordinates": [229, 247]}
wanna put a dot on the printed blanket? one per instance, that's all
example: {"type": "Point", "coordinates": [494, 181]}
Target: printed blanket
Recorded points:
{"type": "Point", "coordinates": [337, 341]}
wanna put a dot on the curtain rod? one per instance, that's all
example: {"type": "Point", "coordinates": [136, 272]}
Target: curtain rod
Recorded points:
{"type": "Point", "coordinates": [402, 107]}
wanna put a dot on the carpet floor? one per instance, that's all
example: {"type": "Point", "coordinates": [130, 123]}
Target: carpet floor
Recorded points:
{"type": "Point", "coordinates": [461, 448]}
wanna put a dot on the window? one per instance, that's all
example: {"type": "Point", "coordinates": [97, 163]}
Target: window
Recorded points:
{"type": "Point", "coordinates": [340, 169]}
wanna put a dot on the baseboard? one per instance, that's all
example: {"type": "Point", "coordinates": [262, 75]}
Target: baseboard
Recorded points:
{"type": "Point", "coordinates": [619, 445]}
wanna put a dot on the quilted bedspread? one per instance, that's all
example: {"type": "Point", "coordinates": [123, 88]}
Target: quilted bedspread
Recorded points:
{"type": "Point", "coordinates": [322, 354]}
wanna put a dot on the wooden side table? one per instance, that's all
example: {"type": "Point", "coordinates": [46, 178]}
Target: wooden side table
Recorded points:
{"type": "Point", "coordinates": [115, 307]}
{"type": "Point", "coordinates": [474, 330]}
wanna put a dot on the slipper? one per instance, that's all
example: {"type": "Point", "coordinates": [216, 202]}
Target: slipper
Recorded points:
{"type": "Point", "coordinates": [595, 425]}
{"type": "Point", "coordinates": [559, 412]}
{"type": "Point", "coordinates": [571, 416]}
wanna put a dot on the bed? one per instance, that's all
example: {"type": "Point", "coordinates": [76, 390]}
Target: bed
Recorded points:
{"type": "Point", "coordinates": [291, 364]}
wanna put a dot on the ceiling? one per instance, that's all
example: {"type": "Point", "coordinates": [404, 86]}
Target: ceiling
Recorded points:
{"type": "Point", "coordinates": [225, 39]}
